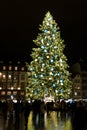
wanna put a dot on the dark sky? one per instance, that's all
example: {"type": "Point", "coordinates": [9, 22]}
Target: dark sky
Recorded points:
{"type": "Point", "coordinates": [20, 20]}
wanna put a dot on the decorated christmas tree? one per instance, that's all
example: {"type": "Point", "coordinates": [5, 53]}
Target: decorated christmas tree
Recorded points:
{"type": "Point", "coordinates": [48, 72]}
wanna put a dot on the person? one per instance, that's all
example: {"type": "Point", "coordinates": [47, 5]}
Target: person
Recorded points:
{"type": "Point", "coordinates": [27, 109]}
{"type": "Point", "coordinates": [4, 109]}
{"type": "Point", "coordinates": [42, 108]}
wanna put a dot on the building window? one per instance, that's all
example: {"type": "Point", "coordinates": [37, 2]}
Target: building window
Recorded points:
{"type": "Point", "coordinates": [10, 68]}
{"type": "Point", "coordinates": [77, 81]}
{"type": "Point", "coordinates": [22, 77]}
{"type": "Point", "coordinates": [84, 87]}
{"type": "Point", "coordinates": [4, 85]}
{"type": "Point", "coordinates": [4, 67]}
{"type": "Point", "coordinates": [84, 95]}
{"type": "Point", "coordinates": [12, 88]}
{"type": "Point", "coordinates": [15, 85]}
{"type": "Point", "coordinates": [14, 92]}
{"type": "Point", "coordinates": [4, 76]}
{"type": "Point", "coordinates": [18, 88]}
{"type": "Point", "coordinates": [84, 81]}
{"type": "Point", "coordinates": [2, 92]}
{"type": "Point", "coordinates": [0, 75]}
{"type": "Point", "coordinates": [22, 68]}
{"type": "Point", "coordinates": [22, 93]}
{"type": "Point", "coordinates": [22, 85]}
{"type": "Point", "coordinates": [75, 93]}
{"type": "Point", "coordinates": [8, 92]}
{"type": "Point", "coordinates": [9, 76]}
{"type": "Point", "coordinates": [15, 77]}
{"type": "Point", "coordinates": [9, 86]}
{"type": "Point", "coordinates": [79, 93]}
{"type": "Point", "coordinates": [16, 68]}
{"type": "Point", "coordinates": [78, 87]}
{"type": "Point", "coordinates": [84, 74]}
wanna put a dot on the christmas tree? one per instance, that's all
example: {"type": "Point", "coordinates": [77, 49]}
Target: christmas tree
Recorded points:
{"type": "Point", "coordinates": [48, 71]}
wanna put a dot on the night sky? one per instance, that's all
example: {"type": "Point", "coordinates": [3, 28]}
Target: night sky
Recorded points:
{"type": "Point", "coordinates": [19, 26]}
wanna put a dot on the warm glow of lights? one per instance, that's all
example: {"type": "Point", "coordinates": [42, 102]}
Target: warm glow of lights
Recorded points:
{"type": "Point", "coordinates": [16, 68]}
{"type": "Point", "coordinates": [12, 88]}
{"type": "Point", "coordinates": [4, 67]}
{"type": "Point", "coordinates": [19, 88]}
{"type": "Point", "coordinates": [9, 76]}
{"type": "Point", "coordinates": [52, 122]}
{"type": "Point", "coordinates": [4, 76]}
{"type": "Point", "coordinates": [75, 93]}
{"type": "Point", "coordinates": [10, 68]}
{"type": "Point", "coordinates": [41, 69]}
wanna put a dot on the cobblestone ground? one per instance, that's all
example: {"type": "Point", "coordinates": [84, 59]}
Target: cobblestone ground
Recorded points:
{"type": "Point", "coordinates": [11, 123]}
{"type": "Point", "coordinates": [48, 121]}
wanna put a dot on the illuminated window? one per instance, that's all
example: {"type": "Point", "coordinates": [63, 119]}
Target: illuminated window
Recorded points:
{"type": "Point", "coordinates": [18, 88]}
{"type": "Point", "coordinates": [8, 92]}
{"type": "Point", "coordinates": [16, 68]}
{"type": "Point", "coordinates": [75, 93]}
{"type": "Point", "coordinates": [22, 93]}
{"type": "Point", "coordinates": [12, 88]}
{"type": "Point", "coordinates": [78, 87]}
{"type": "Point", "coordinates": [22, 68]}
{"type": "Point", "coordinates": [10, 68]}
{"type": "Point", "coordinates": [0, 74]}
{"type": "Point", "coordinates": [4, 67]}
{"type": "Point", "coordinates": [2, 92]}
{"type": "Point", "coordinates": [4, 76]}
{"type": "Point", "coordinates": [14, 92]}
{"type": "Point", "coordinates": [9, 76]}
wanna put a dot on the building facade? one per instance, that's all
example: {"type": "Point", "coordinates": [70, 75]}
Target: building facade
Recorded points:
{"type": "Point", "coordinates": [79, 88]}
{"type": "Point", "coordinates": [13, 80]}
{"type": "Point", "coordinates": [84, 84]}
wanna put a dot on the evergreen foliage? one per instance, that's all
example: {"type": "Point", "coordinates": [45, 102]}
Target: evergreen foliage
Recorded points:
{"type": "Point", "coordinates": [48, 71]}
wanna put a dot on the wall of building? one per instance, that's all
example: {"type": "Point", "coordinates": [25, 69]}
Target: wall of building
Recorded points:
{"type": "Point", "coordinates": [13, 80]}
